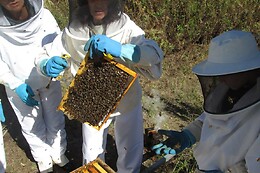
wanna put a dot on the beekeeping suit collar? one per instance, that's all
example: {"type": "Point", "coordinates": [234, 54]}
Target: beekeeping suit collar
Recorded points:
{"type": "Point", "coordinates": [36, 6]}
{"type": "Point", "coordinates": [231, 52]}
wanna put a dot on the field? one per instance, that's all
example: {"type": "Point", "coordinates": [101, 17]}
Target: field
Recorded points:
{"type": "Point", "coordinates": [183, 29]}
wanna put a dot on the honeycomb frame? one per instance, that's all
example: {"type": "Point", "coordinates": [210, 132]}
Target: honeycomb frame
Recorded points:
{"type": "Point", "coordinates": [81, 70]}
{"type": "Point", "coordinates": [96, 166]}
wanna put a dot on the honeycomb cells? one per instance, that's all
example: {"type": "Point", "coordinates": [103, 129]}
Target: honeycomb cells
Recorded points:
{"type": "Point", "coordinates": [95, 92]}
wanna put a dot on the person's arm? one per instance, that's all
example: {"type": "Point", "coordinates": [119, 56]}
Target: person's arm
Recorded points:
{"type": "Point", "coordinates": [23, 90]}
{"type": "Point", "coordinates": [196, 126]}
{"type": "Point", "coordinates": [142, 55]}
{"type": "Point", "coordinates": [178, 141]}
{"type": "Point", "coordinates": [50, 62]}
{"type": "Point", "coordinates": [151, 56]}
{"type": "Point", "coordinates": [7, 78]}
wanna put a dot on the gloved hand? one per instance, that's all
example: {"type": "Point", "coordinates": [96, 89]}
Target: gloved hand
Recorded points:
{"type": "Point", "coordinates": [54, 66]}
{"type": "Point", "coordinates": [2, 116]}
{"type": "Point", "coordinates": [25, 92]}
{"type": "Point", "coordinates": [99, 44]}
{"type": "Point", "coordinates": [176, 142]}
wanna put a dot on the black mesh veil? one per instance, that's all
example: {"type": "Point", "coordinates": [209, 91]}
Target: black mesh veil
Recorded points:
{"type": "Point", "coordinates": [73, 4]}
{"type": "Point", "coordinates": [219, 98]}
{"type": "Point", "coordinates": [115, 10]}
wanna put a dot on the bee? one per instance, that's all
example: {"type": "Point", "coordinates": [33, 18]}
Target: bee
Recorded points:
{"type": "Point", "coordinates": [95, 92]}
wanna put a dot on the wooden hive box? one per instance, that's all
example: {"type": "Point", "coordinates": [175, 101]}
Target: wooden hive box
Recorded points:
{"type": "Point", "coordinates": [96, 90]}
{"type": "Point", "coordinates": [96, 166]}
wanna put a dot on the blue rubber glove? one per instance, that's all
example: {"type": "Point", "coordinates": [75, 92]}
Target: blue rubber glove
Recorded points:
{"type": "Point", "coordinates": [2, 116]}
{"type": "Point", "coordinates": [26, 94]}
{"type": "Point", "coordinates": [131, 52]}
{"type": "Point", "coordinates": [99, 44]}
{"type": "Point", "coordinates": [176, 142]}
{"type": "Point", "coordinates": [54, 66]}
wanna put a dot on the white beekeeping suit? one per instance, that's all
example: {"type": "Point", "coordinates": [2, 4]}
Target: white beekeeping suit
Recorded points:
{"type": "Point", "coordinates": [21, 43]}
{"type": "Point", "coordinates": [128, 119]}
{"type": "Point", "coordinates": [228, 131]}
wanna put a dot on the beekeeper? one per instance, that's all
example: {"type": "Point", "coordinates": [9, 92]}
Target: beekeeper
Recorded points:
{"type": "Point", "coordinates": [100, 26]}
{"type": "Point", "coordinates": [228, 131]}
{"type": "Point", "coordinates": [25, 27]}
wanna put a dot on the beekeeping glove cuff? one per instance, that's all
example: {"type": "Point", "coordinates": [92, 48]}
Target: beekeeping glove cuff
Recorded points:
{"type": "Point", "coordinates": [195, 128]}
{"type": "Point", "coordinates": [99, 44]}
{"type": "Point", "coordinates": [26, 94]}
{"type": "Point", "coordinates": [42, 66]}
{"type": "Point", "coordinates": [131, 52]}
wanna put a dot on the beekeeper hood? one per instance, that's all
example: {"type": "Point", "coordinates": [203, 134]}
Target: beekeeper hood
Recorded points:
{"type": "Point", "coordinates": [229, 53]}
{"type": "Point", "coordinates": [22, 33]}
{"type": "Point", "coordinates": [33, 7]}
{"type": "Point", "coordinates": [79, 9]}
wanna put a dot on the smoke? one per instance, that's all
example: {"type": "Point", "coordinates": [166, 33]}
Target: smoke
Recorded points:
{"type": "Point", "coordinates": [159, 121]}
{"type": "Point", "coordinates": [154, 106]}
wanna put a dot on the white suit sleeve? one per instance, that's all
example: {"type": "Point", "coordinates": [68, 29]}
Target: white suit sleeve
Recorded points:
{"type": "Point", "coordinates": [196, 126]}
{"type": "Point", "coordinates": [7, 78]}
{"type": "Point", "coordinates": [150, 64]}
{"type": "Point", "coordinates": [54, 48]}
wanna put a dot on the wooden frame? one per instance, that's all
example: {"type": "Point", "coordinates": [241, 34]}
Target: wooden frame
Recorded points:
{"type": "Point", "coordinates": [80, 71]}
{"type": "Point", "coordinates": [96, 166]}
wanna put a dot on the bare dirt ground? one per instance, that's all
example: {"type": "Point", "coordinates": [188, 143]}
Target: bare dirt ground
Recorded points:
{"type": "Point", "coordinates": [19, 158]}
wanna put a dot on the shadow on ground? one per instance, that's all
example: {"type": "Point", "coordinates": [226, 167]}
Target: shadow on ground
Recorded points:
{"type": "Point", "coordinates": [19, 157]}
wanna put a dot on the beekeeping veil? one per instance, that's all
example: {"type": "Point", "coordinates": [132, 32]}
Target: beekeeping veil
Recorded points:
{"type": "Point", "coordinates": [73, 4]}
{"type": "Point", "coordinates": [229, 53]}
{"type": "Point", "coordinates": [34, 7]}
{"type": "Point", "coordinates": [115, 10]}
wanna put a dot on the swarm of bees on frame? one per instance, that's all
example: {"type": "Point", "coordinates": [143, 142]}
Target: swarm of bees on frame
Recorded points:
{"type": "Point", "coordinates": [95, 92]}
